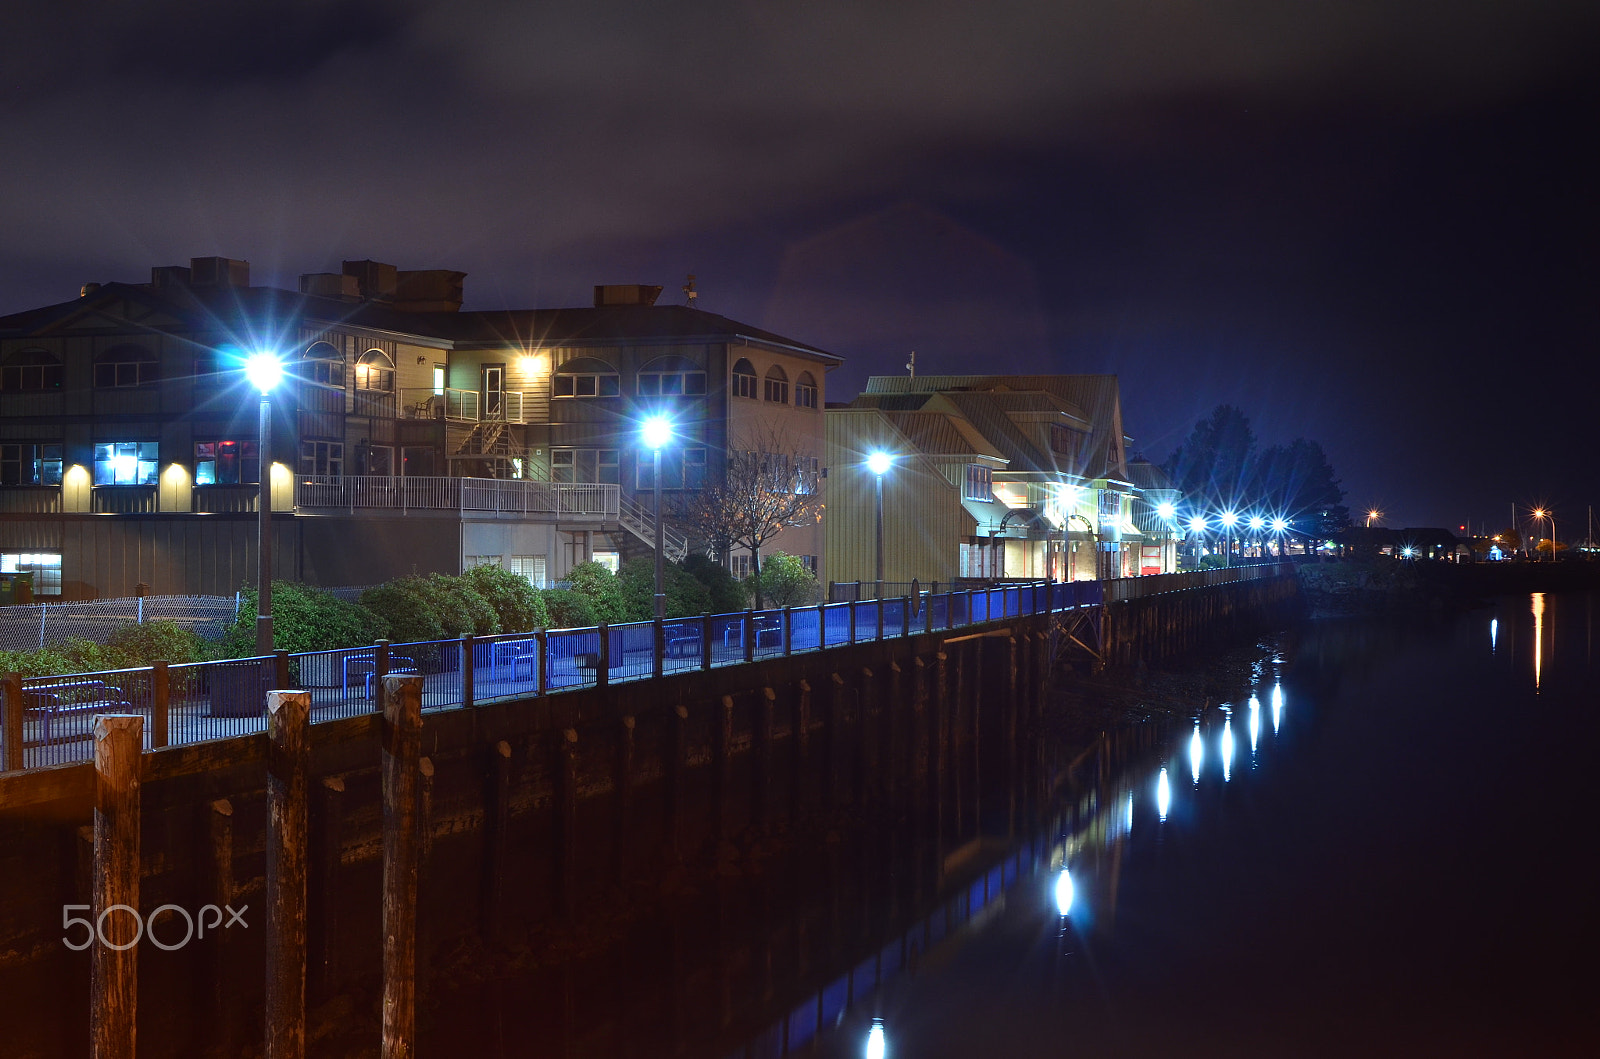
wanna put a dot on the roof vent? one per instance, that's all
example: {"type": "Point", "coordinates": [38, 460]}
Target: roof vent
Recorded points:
{"type": "Point", "coordinates": [625, 294]}
{"type": "Point", "coordinates": [434, 290]}
{"type": "Point", "coordinates": [165, 277]}
{"type": "Point", "coordinates": [330, 285]}
{"type": "Point", "coordinates": [377, 280]}
{"type": "Point", "coordinates": [218, 272]}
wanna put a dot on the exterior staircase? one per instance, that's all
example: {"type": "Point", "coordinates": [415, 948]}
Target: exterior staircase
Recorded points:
{"type": "Point", "coordinates": [640, 522]}
{"type": "Point", "coordinates": [488, 443]}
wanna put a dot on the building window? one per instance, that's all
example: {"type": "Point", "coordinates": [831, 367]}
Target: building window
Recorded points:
{"type": "Point", "coordinates": [809, 564]}
{"type": "Point", "coordinates": [375, 371]}
{"type": "Point", "coordinates": [671, 377]}
{"type": "Point", "coordinates": [323, 365]}
{"type": "Point", "coordinates": [805, 391]}
{"type": "Point", "coordinates": [126, 366]}
{"type": "Point", "coordinates": [226, 463]}
{"type": "Point", "coordinates": [680, 469]}
{"type": "Point", "coordinates": [979, 483]}
{"type": "Point", "coordinates": [322, 457]}
{"type": "Point", "coordinates": [30, 464]}
{"type": "Point", "coordinates": [533, 567]}
{"type": "Point", "coordinates": [777, 386]}
{"type": "Point", "coordinates": [586, 377]}
{"type": "Point", "coordinates": [744, 379]}
{"type": "Point", "coordinates": [30, 369]}
{"type": "Point", "coordinates": [125, 462]}
{"type": "Point", "coordinates": [44, 566]}
{"type": "Point", "coordinates": [586, 466]}
{"type": "Point", "coordinates": [1065, 441]}
{"type": "Point", "coordinates": [438, 380]}
{"type": "Point", "coordinates": [376, 460]}
{"type": "Point", "coordinates": [482, 560]}
{"type": "Point", "coordinates": [739, 565]}
{"type": "Point", "coordinates": [807, 474]}
{"type": "Point", "coordinates": [610, 560]}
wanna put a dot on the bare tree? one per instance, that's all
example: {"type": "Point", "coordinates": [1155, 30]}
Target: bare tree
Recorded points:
{"type": "Point", "coordinates": [770, 482]}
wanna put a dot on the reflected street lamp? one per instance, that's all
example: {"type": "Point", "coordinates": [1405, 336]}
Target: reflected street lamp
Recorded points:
{"type": "Point", "coordinates": [656, 432]}
{"type": "Point", "coordinates": [878, 463]}
{"type": "Point", "coordinates": [265, 371]}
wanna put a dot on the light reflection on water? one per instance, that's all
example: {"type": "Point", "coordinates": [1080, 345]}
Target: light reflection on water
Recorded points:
{"type": "Point", "coordinates": [1538, 639]}
{"type": "Point", "coordinates": [1197, 752]}
{"type": "Point", "coordinates": [1255, 725]}
{"type": "Point", "coordinates": [1227, 750]}
{"type": "Point", "coordinates": [1163, 795]}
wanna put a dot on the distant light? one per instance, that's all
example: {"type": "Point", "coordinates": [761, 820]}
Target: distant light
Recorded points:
{"type": "Point", "coordinates": [1277, 706]}
{"type": "Point", "coordinates": [1408, 551]}
{"type": "Point", "coordinates": [878, 463]}
{"type": "Point", "coordinates": [1255, 723]}
{"type": "Point", "coordinates": [1198, 524]}
{"type": "Point", "coordinates": [1064, 892]}
{"type": "Point", "coordinates": [1229, 518]}
{"type": "Point", "coordinates": [876, 1047]}
{"type": "Point", "coordinates": [264, 370]}
{"type": "Point", "coordinates": [1494, 634]}
{"type": "Point", "coordinates": [1256, 522]}
{"type": "Point", "coordinates": [1374, 514]}
{"type": "Point", "coordinates": [1197, 751]}
{"type": "Point", "coordinates": [1279, 525]}
{"type": "Point", "coordinates": [1163, 796]}
{"type": "Point", "coordinates": [1166, 510]}
{"type": "Point", "coordinates": [656, 431]}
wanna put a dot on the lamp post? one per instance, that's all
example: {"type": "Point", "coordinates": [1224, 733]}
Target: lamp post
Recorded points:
{"type": "Point", "coordinates": [1197, 526]}
{"type": "Point", "coordinates": [1279, 525]}
{"type": "Point", "coordinates": [1229, 520]}
{"type": "Point", "coordinates": [878, 463]}
{"type": "Point", "coordinates": [1167, 512]}
{"type": "Point", "coordinates": [1372, 515]}
{"type": "Point", "coordinates": [1538, 514]}
{"type": "Point", "coordinates": [1257, 523]}
{"type": "Point", "coordinates": [265, 371]}
{"type": "Point", "coordinates": [656, 432]}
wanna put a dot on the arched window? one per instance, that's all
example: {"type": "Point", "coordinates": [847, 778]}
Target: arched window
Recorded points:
{"type": "Point", "coordinates": [125, 366]}
{"type": "Point", "coordinates": [777, 388]}
{"type": "Point", "coordinates": [586, 377]}
{"type": "Point", "coordinates": [805, 391]}
{"type": "Point", "coordinates": [324, 364]}
{"type": "Point", "coordinates": [30, 369]}
{"type": "Point", "coordinates": [671, 376]}
{"type": "Point", "coordinates": [744, 379]}
{"type": "Point", "coordinates": [375, 371]}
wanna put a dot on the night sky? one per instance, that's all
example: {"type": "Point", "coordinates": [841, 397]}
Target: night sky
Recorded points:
{"type": "Point", "coordinates": [1367, 223]}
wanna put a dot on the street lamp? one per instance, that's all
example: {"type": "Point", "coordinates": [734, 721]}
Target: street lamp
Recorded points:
{"type": "Point", "coordinates": [265, 371]}
{"type": "Point", "coordinates": [1372, 515]}
{"type": "Point", "coordinates": [1197, 526]}
{"type": "Point", "coordinates": [656, 432]}
{"type": "Point", "coordinates": [1230, 519]}
{"type": "Point", "coordinates": [1541, 513]}
{"type": "Point", "coordinates": [1279, 525]}
{"type": "Point", "coordinates": [878, 463]}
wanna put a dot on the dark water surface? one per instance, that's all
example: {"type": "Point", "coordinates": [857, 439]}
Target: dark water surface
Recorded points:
{"type": "Point", "coordinates": [1402, 865]}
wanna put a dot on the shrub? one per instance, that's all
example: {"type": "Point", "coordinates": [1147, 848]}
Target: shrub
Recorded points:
{"type": "Point", "coordinates": [785, 582]}
{"type": "Point", "coordinates": [462, 607]}
{"type": "Point", "coordinates": [157, 641]}
{"type": "Point", "coordinates": [517, 604]}
{"type": "Point", "coordinates": [304, 619]}
{"type": "Point", "coordinates": [599, 586]}
{"type": "Point", "coordinates": [685, 595]}
{"type": "Point", "coordinates": [725, 594]}
{"type": "Point", "coordinates": [406, 610]}
{"type": "Point", "coordinates": [569, 610]}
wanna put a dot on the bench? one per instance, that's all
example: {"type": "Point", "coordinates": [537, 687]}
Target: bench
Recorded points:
{"type": "Point", "coordinates": [365, 667]}
{"type": "Point", "coordinates": [77, 698]}
{"type": "Point", "coordinates": [683, 646]}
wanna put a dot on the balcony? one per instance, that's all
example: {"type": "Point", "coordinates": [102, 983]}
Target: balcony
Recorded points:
{"type": "Point", "coordinates": [513, 498]}
{"type": "Point", "coordinates": [465, 406]}
{"type": "Point", "coordinates": [126, 500]}
{"type": "Point", "coordinates": [226, 499]}
{"type": "Point", "coordinates": [30, 499]}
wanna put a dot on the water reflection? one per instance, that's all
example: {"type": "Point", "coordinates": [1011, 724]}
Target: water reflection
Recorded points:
{"type": "Point", "coordinates": [1277, 707]}
{"type": "Point", "coordinates": [1064, 892]}
{"type": "Point", "coordinates": [1538, 638]}
{"type": "Point", "coordinates": [1197, 753]}
{"type": "Point", "coordinates": [1227, 750]}
{"type": "Point", "coordinates": [1255, 725]}
{"type": "Point", "coordinates": [1494, 635]}
{"type": "Point", "coordinates": [875, 1042]}
{"type": "Point", "coordinates": [1163, 795]}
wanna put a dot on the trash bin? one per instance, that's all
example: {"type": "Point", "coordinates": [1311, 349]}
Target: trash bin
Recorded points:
{"type": "Point", "coordinates": [239, 689]}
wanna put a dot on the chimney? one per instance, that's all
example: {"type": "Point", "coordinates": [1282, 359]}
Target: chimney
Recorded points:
{"type": "Point", "coordinates": [434, 290]}
{"type": "Point", "coordinates": [375, 280]}
{"type": "Point", "coordinates": [625, 294]}
{"type": "Point", "coordinates": [218, 272]}
{"type": "Point", "coordinates": [166, 277]}
{"type": "Point", "coordinates": [330, 285]}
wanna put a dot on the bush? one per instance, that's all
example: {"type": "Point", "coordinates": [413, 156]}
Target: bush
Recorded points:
{"type": "Point", "coordinates": [517, 604]}
{"type": "Point", "coordinates": [157, 641]}
{"type": "Point", "coordinates": [568, 609]}
{"type": "Point", "coordinates": [599, 586]}
{"type": "Point", "coordinates": [725, 595]}
{"type": "Point", "coordinates": [304, 619]}
{"type": "Point", "coordinates": [462, 607]}
{"type": "Point", "coordinates": [406, 610]}
{"type": "Point", "coordinates": [785, 582]}
{"type": "Point", "coordinates": [46, 663]}
{"type": "Point", "coordinates": [685, 595]}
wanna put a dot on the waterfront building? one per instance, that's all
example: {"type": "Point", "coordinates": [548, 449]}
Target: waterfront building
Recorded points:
{"type": "Point", "coordinates": [408, 435]}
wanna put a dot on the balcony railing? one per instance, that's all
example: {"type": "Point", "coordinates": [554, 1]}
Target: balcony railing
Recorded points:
{"type": "Point", "coordinates": [477, 495]}
{"type": "Point", "coordinates": [464, 406]}
{"type": "Point", "coordinates": [31, 499]}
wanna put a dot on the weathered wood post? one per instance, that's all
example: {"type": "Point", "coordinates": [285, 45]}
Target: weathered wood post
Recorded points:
{"type": "Point", "coordinates": [766, 707]}
{"type": "Point", "coordinates": [677, 766]}
{"type": "Point", "coordinates": [567, 818]}
{"type": "Point", "coordinates": [939, 753]}
{"type": "Point", "coordinates": [867, 742]}
{"type": "Point", "coordinates": [802, 747]}
{"type": "Point", "coordinates": [114, 964]}
{"type": "Point", "coordinates": [893, 751]}
{"type": "Point", "coordinates": [322, 897]}
{"type": "Point", "coordinates": [836, 741]}
{"type": "Point", "coordinates": [15, 711]}
{"type": "Point", "coordinates": [219, 828]}
{"type": "Point", "coordinates": [402, 747]}
{"type": "Point", "coordinates": [722, 749]}
{"type": "Point", "coordinates": [288, 764]}
{"type": "Point", "coordinates": [624, 788]}
{"type": "Point", "coordinates": [495, 845]}
{"type": "Point", "coordinates": [469, 671]}
{"type": "Point", "coordinates": [424, 848]}
{"type": "Point", "coordinates": [160, 703]}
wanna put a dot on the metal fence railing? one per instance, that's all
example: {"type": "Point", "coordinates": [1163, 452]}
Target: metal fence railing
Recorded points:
{"type": "Point", "coordinates": [31, 626]}
{"type": "Point", "coordinates": [202, 701]}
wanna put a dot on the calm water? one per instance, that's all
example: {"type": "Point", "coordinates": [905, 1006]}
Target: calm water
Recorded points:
{"type": "Point", "coordinates": [1396, 859]}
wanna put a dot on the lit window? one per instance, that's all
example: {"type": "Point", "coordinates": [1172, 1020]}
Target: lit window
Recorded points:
{"type": "Point", "coordinates": [226, 463]}
{"type": "Point", "coordinates": [126, 366]}
{"type": "Point", "coordinates": [979, 483]}
{"type": "Point", "coordinates": [586, 377]}
{"type": "Point", "coordinates": [739, 565]}
{"type": "Point", "coordinates": [30, 464]}
{"type": "Point", "coordinates": [44, 566]}
{"type": "Point", "coordinates": [805, 391]}
{"type": "Point", "coordinates": [744, 379]}
{"type": "Point", "coordinates": [375, 371]}
{"type": "Point", "coordinates": [125, 462]}
{"type": "Point", "coordinates": [30, 369]}
{"type": "Point", "coordinates": [777, 386]}
{"type": "Point", "coordinates": [438, 380]}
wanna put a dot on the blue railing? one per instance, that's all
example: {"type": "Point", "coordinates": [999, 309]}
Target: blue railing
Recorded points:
{"type": "Point", "coordinates": [218, 700]}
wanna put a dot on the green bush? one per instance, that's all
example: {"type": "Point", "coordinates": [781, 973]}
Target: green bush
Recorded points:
{"type": "Point", "coordinates": [46, 663]}
{"type": "Point", "coordinates": [157, 641]}
{"type": "Point", "coordinates": [304, 618]}
{"type": "Point", "coordinates": [785, 582]}
{"type": "Point", "coordinates": [599, 586]}
{"type": "Point", "coordinates": [463, 607]}
{"type": "Point", "coordinates": [569, 610]}
{"type": "Point", "coordinates": [686, 596]}
{"type": "Point", "coordinates": [517, 604]}
{"type": "Point", "coordinates": [406, 609]}
{"type": "Point", "coordinates": [725, 594]}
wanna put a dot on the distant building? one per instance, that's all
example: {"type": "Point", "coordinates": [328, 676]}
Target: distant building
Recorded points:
{"type": "Point", "coordinates": [1021, 476]}
{"type": "Point", "coordinates": [408, 435]}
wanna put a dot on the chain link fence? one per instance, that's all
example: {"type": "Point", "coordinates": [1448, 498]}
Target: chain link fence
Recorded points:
{"type": "Point", "coordinates": [30, 626]}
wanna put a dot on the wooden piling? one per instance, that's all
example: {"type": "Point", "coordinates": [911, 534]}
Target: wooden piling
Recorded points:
{"type": "Point", "coordinates": [766, 708]}
{"type": "Point", "coordinates": [424, 848]}
{"type": "Point", "coordinates": [219, 830]}
{"type": "Point", "coordinates": [288, 764]}
{"type": "Point", "coordinates": [566, 851]}
{"type": "Point", "coordinates": [114, 965]}
{"type": "Point", "coordinates": [15, 711]}
{"type": "Point", "coordinates": [836, 738]}
{"type": "Point", "coordinates": [677, 766]}
{"type": "Point", "coordinates": [722, 755]}
{"type": "Point", "coordinates": [402, 747]}
{"type": "Point", "coordinates": [495, 846]}
{"type": "Point", "coordinates": [322, 898]}
{"type": "Point", "coordinates": [624, 787]}
{"type": "Point", "coordinates": [160, 702]}
{"type": "Point", "coordinates": [802, 749]}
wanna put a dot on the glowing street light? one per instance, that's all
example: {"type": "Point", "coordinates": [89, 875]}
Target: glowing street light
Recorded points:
{"type": "Point", "coordinates": [1197, 526]}
{"type": "Point", "coordinates": [1373, 514]}
{"type": "Point", "coordinates": [1166, 511]}
{"type": "Point", "coordinates": [264, 370]}
{"type": "Point", "coordinates": [879, 462]}
{"type": "Point", "coordinates": [1540, 513]}
{"type": "Point", "coordinates": [1230, 519]}
{"type": "Point", "coordinates": [1279, 525]}
{"type": "Point", "coordinates": [656, 432]}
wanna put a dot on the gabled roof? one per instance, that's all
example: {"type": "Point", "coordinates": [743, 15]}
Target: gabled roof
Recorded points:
{"type": "Point", "coordinates": [936, 434]}
{"type": "Point", "coordinates": [281, 311]}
